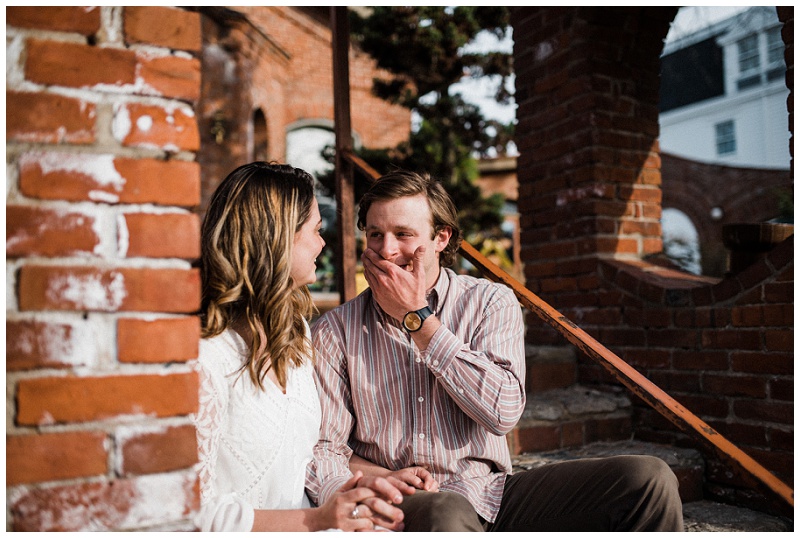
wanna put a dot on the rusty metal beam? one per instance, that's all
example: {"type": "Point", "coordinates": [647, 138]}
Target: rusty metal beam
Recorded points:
{"type": "Point", "coordinates": [750, 470]}
{"type": "Point", "coordinates": [345, 202]}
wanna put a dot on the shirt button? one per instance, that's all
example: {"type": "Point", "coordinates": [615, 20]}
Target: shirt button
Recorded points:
{"type": "Point", "coordinates": [436, 363]}
{"type": "Point", "coordinates": [419, 360]}
{"type": "Point", "coordinates": [422, 436]}
{"type": "Point", "coordinates": [420, 399]}
{"type": "Point", "coordinates": [461, 391]}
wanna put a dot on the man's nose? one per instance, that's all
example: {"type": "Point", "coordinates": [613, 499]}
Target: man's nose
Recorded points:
{"type": "Point", "coordinates": [388, 248]}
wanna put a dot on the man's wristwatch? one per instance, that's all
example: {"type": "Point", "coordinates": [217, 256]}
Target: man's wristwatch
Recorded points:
{"type": "Point", "coordinates": [412, 322]}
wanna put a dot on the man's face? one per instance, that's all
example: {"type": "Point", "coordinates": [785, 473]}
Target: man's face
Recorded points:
{"type": "Point", "coordinates": [395, 228]}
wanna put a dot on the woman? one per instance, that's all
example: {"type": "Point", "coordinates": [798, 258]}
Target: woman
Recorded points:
{"type": "Point", "coordinates": [259, 412]}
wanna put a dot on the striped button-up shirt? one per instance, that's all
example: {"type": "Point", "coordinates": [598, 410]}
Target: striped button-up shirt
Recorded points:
{"type": "Point", "coordinates": [446, 408]}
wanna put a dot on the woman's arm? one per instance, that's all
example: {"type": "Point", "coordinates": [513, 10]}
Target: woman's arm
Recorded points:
{"type": "Point", "coordinates": [336, 513]}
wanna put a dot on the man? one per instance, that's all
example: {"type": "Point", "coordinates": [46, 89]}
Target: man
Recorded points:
{"type": "Point", "coordinates": [423, 374]}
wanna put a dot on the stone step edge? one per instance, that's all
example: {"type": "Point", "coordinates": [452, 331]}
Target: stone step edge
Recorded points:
{"type": "Point", "coordinates": [573, 403]}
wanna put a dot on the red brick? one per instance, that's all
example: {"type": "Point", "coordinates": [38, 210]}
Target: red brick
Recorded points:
{"type": "Point", "coordinates": [779, 315]}
{"type": "Point", "coordinates": [54, 400]}
{"type": "Point", "coordinates": [81, 20]}
{"type": "Point", "coordinates": [109, 290]}
{"type": "Point", "coordinates": [36, 231]}
{"type": "Point", "coordinates": [149, 126]}
{"type": "Point", "coordinates": [779, 292]}
{"type": "Point", "coordinates": [781, 389]}
{"type": "Point", "coordinates": [699, 360]}
{"type": "Point", "coordinates": [647, 358]}
{"type": "Point", "coordinates": [103, 506]}
{"type": "Point", "coordinates": [539, 438]}
{"type": "Point", "coordinates": [744, 434]}
{"type": "Point", "coordinates": [762, 363]}
{"type": "Point", "coordinates": [543, 376]}
{"type": "Point", "coordinates": [159, 452]}
{"type": "Point", "coordinates": [572, 434]}
{"type": "Point", "coordinates": [672, 338]}
{"type": "Point", "coordinates": [780, 340]}
{"type": "Point", "coordinates": [42, 457]}
{"type": "Point", "coordinates": [48, 118]}
{"type": "Point", "coordinates": [104, 178]}
{"type": "Point", "coordinates": [608, 429]}
{"type": "Point", "coordinates": [747, 316]}
{"type": "Point", "coordinates": [781, 439]}
{"type": "Point", "coordinates": [163, 235]}
{"type": "Point", "coordinates": [710, 406]}
{"type": "Point", "coordinates": [78, 66]}
{"type": "Point", "coordinates": [766, 411]}
{"type": "Point", "coordinates": [731, 339]}
{"type": "Point", "coordinates": [163, 26]}
{"type": "Point", "coordinates": [170, 76]}
{"type": "Point", "coordinates": [738, 385]}
{"type": "Point", "coordinates": [163, 340]}
{"type": "Point", "coordinates": [674, 382]}
{"type": "Point", "coordinates": [39, 344]}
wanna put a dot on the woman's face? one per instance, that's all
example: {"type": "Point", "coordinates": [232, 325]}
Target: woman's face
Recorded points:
{"type": "Point", "coordinates": [308, 244]}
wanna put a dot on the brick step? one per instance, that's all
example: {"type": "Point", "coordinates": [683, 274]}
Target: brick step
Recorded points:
{"type": "Point", "coordinates": [550, 367]}
{"type": "Point", "coordinates": [571, 417]}
{"type": "Point", "coordinates": [688, 465]}
{"type": "Point", "coordinates": [708, 516]}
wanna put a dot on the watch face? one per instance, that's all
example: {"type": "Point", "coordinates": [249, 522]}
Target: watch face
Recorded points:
{"type": "Point", "coordinates": [412, 321]}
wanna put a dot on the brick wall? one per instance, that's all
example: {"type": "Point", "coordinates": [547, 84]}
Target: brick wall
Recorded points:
{"type": "Point", "coordinates": [590, 202]}
{"type": "Point", "coordinates": [101, 179]}
{"type": "Point", "coordinates": [742, 195]}
{"type": "Point", "coordinates": [280, 63]}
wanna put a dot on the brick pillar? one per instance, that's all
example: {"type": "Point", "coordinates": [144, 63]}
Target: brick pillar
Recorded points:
{"type": "Point", "coordinates": [587, 82]}
{"type": "Point", "coordinates": [101, 173]}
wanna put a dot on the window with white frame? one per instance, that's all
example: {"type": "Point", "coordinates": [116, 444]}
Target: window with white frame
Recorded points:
{"type": "Point", "coordinates": [726, 138]}
{"type": "Point", "coordinates": [749, 62]}
{"type": "Point", "coordinates": [775, 48]}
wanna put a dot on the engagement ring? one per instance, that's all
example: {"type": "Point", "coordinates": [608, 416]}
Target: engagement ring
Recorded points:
{"type": "Point", "coordinates": [354, 513]}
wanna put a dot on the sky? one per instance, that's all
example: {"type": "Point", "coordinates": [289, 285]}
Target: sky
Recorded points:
{"type": "Point", "coordinates": [689, 19]}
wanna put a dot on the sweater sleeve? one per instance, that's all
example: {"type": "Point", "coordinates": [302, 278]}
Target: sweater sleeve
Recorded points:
{"type": "Point", "coordinates": [217, 512]}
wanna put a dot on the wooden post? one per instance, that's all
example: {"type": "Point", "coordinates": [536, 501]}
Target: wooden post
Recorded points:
{"type": "Point", "coordinates": [345, 203]}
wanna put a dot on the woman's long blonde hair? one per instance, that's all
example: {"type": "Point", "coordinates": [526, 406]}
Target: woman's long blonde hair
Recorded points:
{"type": "Point", "coordinates": [246, 252]}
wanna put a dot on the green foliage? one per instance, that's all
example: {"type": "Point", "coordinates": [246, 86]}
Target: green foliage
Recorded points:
{"type": "Point", "coordinates": [421, 47]}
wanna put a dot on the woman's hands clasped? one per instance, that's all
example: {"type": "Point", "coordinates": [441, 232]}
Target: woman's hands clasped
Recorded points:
{"type": "Point", "coordinates": [361, 504]}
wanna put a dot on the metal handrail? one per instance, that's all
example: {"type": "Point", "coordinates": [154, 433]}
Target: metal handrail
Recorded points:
{"type": "Point", "coordinates": [752, 472]}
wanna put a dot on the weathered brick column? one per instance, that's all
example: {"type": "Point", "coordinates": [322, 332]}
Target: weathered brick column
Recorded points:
{"type": "Point", "coordinates": [589, 170]}
{"type": "Point", "coordinates": [101, 141]}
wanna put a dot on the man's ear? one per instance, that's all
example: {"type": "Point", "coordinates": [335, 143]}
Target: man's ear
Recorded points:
{"type": "Point", "coordinates": [442, 238]}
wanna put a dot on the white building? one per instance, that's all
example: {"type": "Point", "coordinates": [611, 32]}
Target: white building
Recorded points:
{"type": "Point", "coordinates": [723, 93]}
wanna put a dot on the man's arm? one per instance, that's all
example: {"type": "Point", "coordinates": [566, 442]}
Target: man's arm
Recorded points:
{"type": "Point", "coordinates": [485, 376]}
{"type": "Point", "coordinates": [329, 469]}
